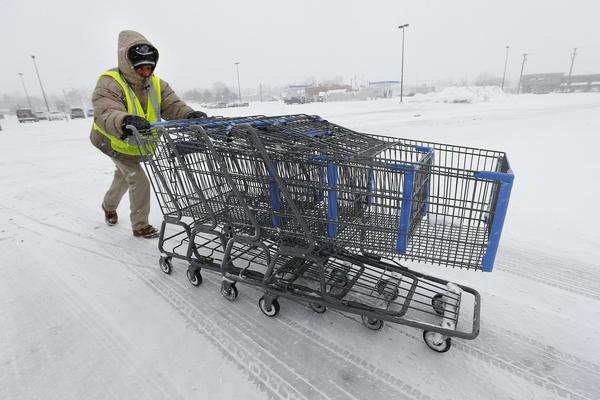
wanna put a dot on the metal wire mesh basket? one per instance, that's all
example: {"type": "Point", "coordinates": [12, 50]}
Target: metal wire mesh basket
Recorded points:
{"type": "Point", "coordinates": [303, 180]}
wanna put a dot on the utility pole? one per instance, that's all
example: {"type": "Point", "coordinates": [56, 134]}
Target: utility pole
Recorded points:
{"type": "Point", "coordinates": [237, 64]}
{"type": "Point", "coordinates": [40, 80]}
{"type": "Point", "coordinates": [571, 69]}
{"type": "Point", "coordinates": [521, 75]}
{"type": "Point", "coordinates": [402, 68]}
{"type": "Point", "coordinates": [260, 92]}
{"type": "Point", "coordinates": [505, 63]}
{"type": "Point", "coordinates": [25, 89]}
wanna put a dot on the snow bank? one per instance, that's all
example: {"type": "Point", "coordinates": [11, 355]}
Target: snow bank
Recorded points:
{"type": "Point", "coordinates": [460, 94]}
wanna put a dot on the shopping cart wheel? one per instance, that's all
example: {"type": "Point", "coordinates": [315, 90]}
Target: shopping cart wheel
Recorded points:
{"type": "Point", "coordinates": [229, 291]}
{"type": "Point", "coordinates": [437, 302]}
{"type": "Point", "coordinates": [338, 278]}
{"type": "Point", "coordinates": [318, 308]}
{"type": "Point", "coordinates": [165, 264]}
{"type": "Point", "coordinates": [372, 323]}
{"type": "Point", "coordinates": [195, 277]}
{"type": "Point", "coordinates": [437, 342]}
{"type": "Point", "coordinates": [271, 310]}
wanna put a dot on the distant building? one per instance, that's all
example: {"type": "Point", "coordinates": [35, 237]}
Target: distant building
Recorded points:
{"type": "Point", "coordinates": [311, 93]}
{"type": "Point", "coordinates": [319, 92]}
{"type": "Point", "coordinates": [559, 82]}
{"type": "Point", "coordinates": [581, 83]}
{"type": "Point", "coordinates": [541, 83]}
{"type": "Point", "coordinates": [383, 88]}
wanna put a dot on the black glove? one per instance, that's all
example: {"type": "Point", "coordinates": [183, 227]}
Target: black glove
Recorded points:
{"type": "Point", "coordinates": [196, 114]}
{"type": "Point", "coordinates": [141, 124]}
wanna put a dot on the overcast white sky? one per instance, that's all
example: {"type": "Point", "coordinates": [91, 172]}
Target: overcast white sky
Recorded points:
{"type": "Point", "coordinates": [283, 41]}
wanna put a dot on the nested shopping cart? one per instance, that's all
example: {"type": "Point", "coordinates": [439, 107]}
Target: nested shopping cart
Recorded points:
{"type": "Point", "coordinates": [310, 211]}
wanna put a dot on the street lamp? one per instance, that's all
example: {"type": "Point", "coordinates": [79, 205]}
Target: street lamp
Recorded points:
{"type": "Point", "coordinates": [40, 80]}
{"type": "Point", "coordinates": [25, 89]}
{"type": "Point", "coordinates": [505, 63]}
{"type": "Point", "coordinates": [571, 69]}
{"type": "Point", "coordinates": [521, 74]}
{"type": "Point", "coordinates": [402, 70]}
{"type": "Point", "coordinates": [238, 77]}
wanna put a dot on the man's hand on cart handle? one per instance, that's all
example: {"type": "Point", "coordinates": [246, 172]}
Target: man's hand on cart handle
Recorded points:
{"type": "Point", "coordinates": [196, 114]}
{"type": "Point", "coordinates": [139, 123]}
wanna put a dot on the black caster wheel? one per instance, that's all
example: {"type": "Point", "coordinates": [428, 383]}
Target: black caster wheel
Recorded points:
{"type": "Point", "coordinates": [438, 303]}
{"type": "Point", "coordinates": [195, 277]}
{"type": "Point", "coordinates": [372, 323]}
{"type": "Point", "coordinates": [318, 308]}
{"type": "Point", "coordinates": [165, 265]}
{"type": "Point", "coordinates": [431, 342]}
{"type": "Point", "coordinates": [228, 231]}
{"type": "Point", "coordinates": [338, 278]}
{"type": "Point", "coordinates": [229, 291]}
{"type": "Point", "coordinates": [271, 311]}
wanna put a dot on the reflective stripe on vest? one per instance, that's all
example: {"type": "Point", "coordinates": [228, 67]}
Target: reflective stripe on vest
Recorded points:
{"type": "Point", "coordinates": [134, 107]}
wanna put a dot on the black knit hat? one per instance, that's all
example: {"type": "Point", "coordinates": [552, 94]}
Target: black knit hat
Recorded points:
{"type": "Point", "coordinates": [142, 54]}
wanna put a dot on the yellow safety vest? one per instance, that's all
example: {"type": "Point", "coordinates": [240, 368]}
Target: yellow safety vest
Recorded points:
{"type": "Point", "coordinates": [135, 108]}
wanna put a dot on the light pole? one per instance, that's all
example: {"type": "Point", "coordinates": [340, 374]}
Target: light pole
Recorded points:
{"type": "Point", "coordinates": [237, 69]}
{"type": "Point", "coordinates": [505, 63]}
{"type": "Point", "coordinates": [521, 75]}
{"type": "Point", "coordinates": [571, 69]}
{"type": "Point", "coordinates": [402, 68]}
{"type": "Point", "coordinates": [40, 80]}
{"type": "Point", "coordinates": [25, 89]}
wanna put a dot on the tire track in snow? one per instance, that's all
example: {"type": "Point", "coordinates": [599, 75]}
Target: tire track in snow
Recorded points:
{"type": "Point", "coordinates": [262, 373]}
{"type": "Point", "coordinates": [562, 374]}
{"type": "Point", "coordinates": [579, 287]}
{"type": "Point", "coordinates": [267, 380]}
{"type": "Point", "coordinates": [98, 333]}
{"type": "Point", "coordinates": [259, 372]}
{"type": "Point", "coordinates": [555, 376]}
{"type": "Point", "coordinates": [578, 379]}
{"type": "Point", "coordinates": [575, 380]}
{"type": "Point", "coordinates": [116, 345]}
{"type": "Point", "coordinates": [581, 278]}
{"type": "Point", "coordinates": [270, 341]}
{"type": "Point", "coordinates": [552, 353]}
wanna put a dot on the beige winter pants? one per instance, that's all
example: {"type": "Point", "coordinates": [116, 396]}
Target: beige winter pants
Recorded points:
{"type": "Point", "coordinates": [130, 176]}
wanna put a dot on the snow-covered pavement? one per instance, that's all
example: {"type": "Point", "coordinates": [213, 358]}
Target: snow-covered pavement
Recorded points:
{"type": "Point", "coordinates": [85, 312]}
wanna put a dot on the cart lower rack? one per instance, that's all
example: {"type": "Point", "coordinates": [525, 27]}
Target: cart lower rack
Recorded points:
{"type": "Point", "coordinates": [311, 211]}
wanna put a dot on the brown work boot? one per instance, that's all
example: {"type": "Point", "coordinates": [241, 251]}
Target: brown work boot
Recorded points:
{"type": "Point", "coordinates": [147, 232]}
{"type": "Point", "coordinates": [110, 217]}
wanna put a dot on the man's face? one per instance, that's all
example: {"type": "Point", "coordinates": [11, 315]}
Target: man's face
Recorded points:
{"type": "Point", "coordinates": [144, 71]}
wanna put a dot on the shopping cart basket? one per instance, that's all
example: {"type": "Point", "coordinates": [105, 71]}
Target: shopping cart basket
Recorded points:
{"type": "Point", "coordinates": [315, 212]}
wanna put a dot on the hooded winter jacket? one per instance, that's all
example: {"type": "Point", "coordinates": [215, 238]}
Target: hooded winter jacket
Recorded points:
{"type": "Point", "coordinates": [110, 104]}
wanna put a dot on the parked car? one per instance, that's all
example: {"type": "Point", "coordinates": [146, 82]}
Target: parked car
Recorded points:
{"type": "Point", "coordinates": [237, 104]}
{"type": "Point", "coordinates": [26, 115]}
{"type": "Point", "coordinates": [56, 116]}
{"type": "Point", "coordinates": [90, 112]}
{"type": "Point", "coordinates": [41, 115]}
{"type": "Point", "coordinates": [220, 104]}
{"type": "Point", "coordinates": [295, 100]}
{"type": "Point", "coordinates": [77, 112]}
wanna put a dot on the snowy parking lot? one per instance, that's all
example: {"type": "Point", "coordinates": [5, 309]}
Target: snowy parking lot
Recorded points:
{"type": "Point", "coordinates": [86, 313]}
